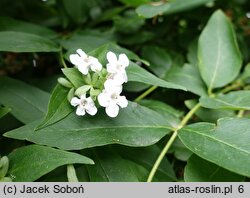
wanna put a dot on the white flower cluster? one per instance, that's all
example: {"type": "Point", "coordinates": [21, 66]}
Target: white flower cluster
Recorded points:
{"type": "Point", "coordinates": [109, 97]}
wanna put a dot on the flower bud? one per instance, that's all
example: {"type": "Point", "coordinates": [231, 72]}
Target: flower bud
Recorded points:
{"type": "Point", "coordinates": [70, 94]}
{"type": "Point", "coordinates": [64, 82]}
{"type": "Point", "coordinates": [82, 90]}
{"type": "Point", "coordinates": [4, 166]}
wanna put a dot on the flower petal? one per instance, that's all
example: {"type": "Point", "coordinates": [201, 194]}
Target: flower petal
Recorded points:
{"type": "Point", "coordinates": [103, 99]}
{"type": "Point", "coordinates": [91, 110]}
{"type": "Point", "coordinates": [96, 66]}
{"type": "Point", "coordinates": [120, 78]}
{"type": "Point", "coordinates": [83, 97]}
{"type": "Point", "coordinates": [112, 110]}
{"type": "Point", "coordinates": [81, 53]}
{"type": "Point", "coordinates": [123, 60]}
{"type": "Point", "coordinates": [75, 59]}
{"type": "Point", "coordinates": [75, 101]}
{"type": "Point", "coordinates": [122, 102]}
{"type": "Point", "coordinates": [83, 68]}
{"type": "Point", "coordinates": [112, 85]}
{"type": "Point", "coordinates": [111, 56]}
{"type": "Point", "coordinates": [111, 68]}
{"type": "Point", "coordinates": [80, 110]}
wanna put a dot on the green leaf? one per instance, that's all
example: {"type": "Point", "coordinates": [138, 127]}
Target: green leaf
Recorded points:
{"type": "Point", "coordinates": [27, 103]}
{"type": "Point", "coordinates": [109, 14]}
{"type": "Point", "coordinates": [9, 24]}
{"type": "Point", "coordinates": [159, 8]}
{"type": "Point", "coordinates": [110, 167]}
{"type": "Point", "coordinates": [129, 23]}
{"type": "Point", "coordinates": [246, 74]}
{"type": "Point", "coordinates": [5, 179]}
{"type": "Point", "coordinates": [29, 163]}
{"type": "Point", "coordinates": [4, 111]}
{"type": "Point", "coordinates": [87, 41]}
{"type": "Point", "coordinates": [138, 74]}
{"type": "Point", "coordinates": [189, 77]}
{"type": "Point", "coordinates": [181, 152]}
{"type": "Point", "coordinates": [226, 144]}
{"type": "Point", "coordinates": [58, 108]}
{"type": "Point", "coordinates": [102, 51]}
{"type": "Point", "coordinates": [4, 166]}
{"type": "Point", "coordinates": [236, 100]}
{"type": "Point", "coordinates": [218, 53]}
{"type": "Point", "coordinates": [209, 115]}
{"type": "Point", "coordinates": [138, 170]}
{"type": "Point", "coordinates": [74, 76]}
{"type": "Point", "coordinates": [77, 10]}
{"type": "Point", "coordinates": [192, 53]}
{"type": "Point", "coordinates": [134, 126]}
{"type": "Point", "coordinates": [134, 3]}
{"type": "Point", "coordinates": [200, 170]}
{"type": "Point", "coordinates": [160, 61]}
{"type": "Point", "coordinates": [146, 157]}
{"type": "Point", "coordinates": [171, 114]}
{"type": "Point", "coordinates": [24, 42]}
{"type": "Point", "coordinates": [135, 86]}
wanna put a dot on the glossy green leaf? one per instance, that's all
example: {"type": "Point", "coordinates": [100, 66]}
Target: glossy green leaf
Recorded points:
{"type": "Point", "coordinates": [246, 74]}
{"type": "Point", "coordinates": [141, 37]}
{"type": "Point", "coordinates": [138, 74]}
{"type": "Point", "coordinates": [225, 144]}
{"type": "Point", "coordinates": [134, 2]}
{"type": "Point", "coordinates": [129, 23]}
{"type": "Point", "coordinates": [192, 53]}
{"type": "Point", "coordinates": [4, 111]}
{"type": "Point", "coordinates": [102, 51]}
{"type": "Point", "coordinates": [200, 170]}
{"type": "Point", "coordinates": [9, 24]}
{"type": "Point", "coordinates": [31, 162]}
{"type": "Point", "coordinates": [159, 8]}
{"type": "Point", "coordinates": [180, 151]}
{"type": "Point", "coordinates": [78, 10]}
{"type": "Point", "coordinates": [236, 100]}
{"type": "Point", "coordinates": [160, 61]}
{"type": "Point", "coordinates": [109, 14]}
{"type": "Point", "coordinates": [171, 115]}
{"type": "Point", "coordinates": [134, 126]}
{"type": "Point", "coordinates": [24, 42]}
{"type": "Point", "coordinates": [58, 108]}
{"type": "Point", "coordinates": [209, 115]}
{"type": "Point", "coordinates": [110, 167]}
{"type": "Point", "coordinates": [135, 86]}
{"type": "Point", "coordinates": [74, 76]}
{"type": "Point", "coordinates": [87, 41]}
{"type": "Point", "coordinates": [218, 53]}
{"type": "Point", "coordinates": [139, 171]}
{"type": "Point", "coordinates": [189, 77]}
{"type": "Point", "coordinates": [4, 166]}
{"type": "Point", "coordinates": [28, 103]}
{"type": "Point", "coordinates": [146, 157]}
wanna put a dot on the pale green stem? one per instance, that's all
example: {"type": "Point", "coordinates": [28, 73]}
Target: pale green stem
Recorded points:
{"type": "Point", "coordinates": [247, 87]}
{"type": "Point", "coordinates": [144, 94]}
{"type": "Point", "coordinates": [62, 59]}
{"type": "Point", "coordinates": [171, 140]}
{"type": "Point", "coordinates": [161, 156]}
{"type": "Point", "coordinates": [234, 86]}
{"type": "Point", "coordinates": [241, 113]}
{"type": "Point", "coordinates": [71, 173]}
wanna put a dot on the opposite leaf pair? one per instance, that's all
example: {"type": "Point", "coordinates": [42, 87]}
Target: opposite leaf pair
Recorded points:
{"type": "Point", "coordinates": [106, 87]}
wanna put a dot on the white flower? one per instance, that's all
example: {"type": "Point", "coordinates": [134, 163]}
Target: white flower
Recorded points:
{"type": "Point", "coordinates": [110, 98]}
{"type": "Point", "coordinates": [116, 67]}
{"type": "Point", "coordinates": [84, 104]}
{"type": "Point", "coordinates": [83, 62]}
